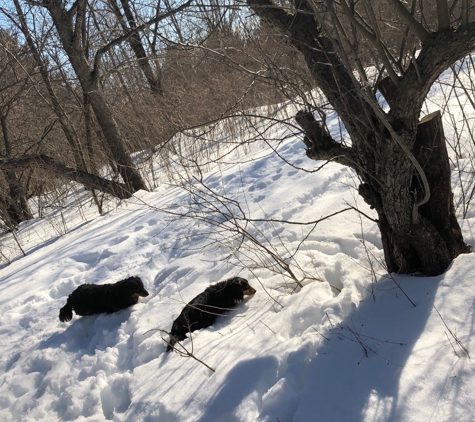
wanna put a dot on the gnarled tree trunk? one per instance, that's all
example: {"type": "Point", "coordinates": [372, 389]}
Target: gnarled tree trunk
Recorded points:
{"type": "Point", "coordinates": [403, 165]}
{"type": "Point", "coordinates": [429, 244]}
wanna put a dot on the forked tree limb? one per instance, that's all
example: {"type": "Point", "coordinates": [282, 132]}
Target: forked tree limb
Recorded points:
{"type": "Point", "coordinates": [416, 27]}
{"type": "Point", "coordinates": [438, 53]}
{"type": "Point", "coordinates": [320, 145]}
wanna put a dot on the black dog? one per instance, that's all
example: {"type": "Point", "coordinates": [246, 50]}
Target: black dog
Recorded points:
{"type": "Point", "coordinates": [202, 311]}
{"type": "Point", "coordinates": [90, 299]}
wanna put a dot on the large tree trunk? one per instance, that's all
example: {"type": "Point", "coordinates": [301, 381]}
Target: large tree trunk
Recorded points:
{"type": "Point", "coordinates": [429, 244]}
{"type": "Point", "coordinates": [125, 166]}
{"type": "Point", "coordinates": [403, 165]}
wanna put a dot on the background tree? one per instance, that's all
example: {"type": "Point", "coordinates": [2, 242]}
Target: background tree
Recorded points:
{"type": "Point", "coordinates": [148, 80]}
{"type": "Point", "coordinates": [73, 30]}
{"type": "Point", "coordinates": [14, 83]}
{"type": "Point", "coordinates": [128, 23]}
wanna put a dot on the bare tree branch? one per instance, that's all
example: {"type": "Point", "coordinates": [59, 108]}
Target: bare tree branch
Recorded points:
{"type": "Point", "coordinates": [134, 31]}
{"type": "Point", "coordinates": [87, 179]}
{"type": "Point", "coordinates": [438, 53]}
{"type": "Point", "coordinates": [321, 146]}
{"type": "Point", "coordinates": [443, 15]}
{"type": "Point", "coordinates": [415, 26]}
{"type": "Point", "coordinates": [374, 38]}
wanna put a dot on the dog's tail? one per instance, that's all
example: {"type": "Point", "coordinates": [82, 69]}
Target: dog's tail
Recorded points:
{"type": "Point", "coordinates": [66, 313]}
{"type": "Point", "coordinates": [171, 343]}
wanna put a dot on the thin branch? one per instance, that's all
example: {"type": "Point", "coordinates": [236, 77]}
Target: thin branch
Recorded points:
{"type": "Point", "coordinates": [271, 220]}
{"type": "Point", "coordinates": [413, 24]}
{"type": "Point", "coordinates": [374, 38]}
{"type": "Point", "coordinates": [457, 340]}
{"type": "Point", "coordinates": [263, 323]}
{"type": "Point", "coordinates": [134, 31]}
{"type": "Point", "coordinates": [361, 212]}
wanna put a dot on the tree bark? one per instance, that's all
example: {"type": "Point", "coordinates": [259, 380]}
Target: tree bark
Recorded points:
{"type": "Point", "coordinates": [15, 202]}
{"type": "Point", "coordinates": [135, 43]}
{"type": "Point", "coordinates": [431, 151]}
{"type": "Point", "coordinates": [391, 153]}
{"type": "Point", "coordinates": [67, 127]}
{"type": "Point", "coordinates": [89, 180]}
{"type": "Point", "coordinates": [70, 36]}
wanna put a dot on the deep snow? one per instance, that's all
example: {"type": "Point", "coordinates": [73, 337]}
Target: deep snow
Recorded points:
{"type": "Point", "coordinates": [357, 351]}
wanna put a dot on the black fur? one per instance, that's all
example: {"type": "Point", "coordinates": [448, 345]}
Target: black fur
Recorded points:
{"type": "Point", "coordinates": [90, 299]}
{"type": "Point", "coordinates": [202, 311]}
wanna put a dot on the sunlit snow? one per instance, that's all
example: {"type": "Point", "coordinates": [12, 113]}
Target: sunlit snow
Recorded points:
{"type": "Point", "coordinates": [357, 351]}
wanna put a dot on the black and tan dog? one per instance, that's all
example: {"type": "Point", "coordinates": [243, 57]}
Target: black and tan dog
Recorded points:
{"type": "Point", "coordinates": [90, 299]}
{"type": "Point", "coordinates": [202, 311]}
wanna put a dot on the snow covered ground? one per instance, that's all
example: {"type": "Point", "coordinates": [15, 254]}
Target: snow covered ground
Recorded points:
{"type": "Point", "coordinates": [351, 344]}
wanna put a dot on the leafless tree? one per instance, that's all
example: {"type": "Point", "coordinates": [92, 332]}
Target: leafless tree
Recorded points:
{"type": "Point", "coordinates": [102, 75]}
{"type": "Point", "coordinates": [128, 22]}
{"type": "Point", "coordinates": [402, 162]}
{"type": "Point", "coordinates": [14, 206]}
{"type": "Point", "coordinates": [71, 27]}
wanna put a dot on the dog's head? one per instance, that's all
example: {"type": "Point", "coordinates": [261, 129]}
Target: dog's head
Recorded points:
{"type": "Point", "coordinates": [136, 288]}
{"type": "Point", "coordinates": [247, 289]}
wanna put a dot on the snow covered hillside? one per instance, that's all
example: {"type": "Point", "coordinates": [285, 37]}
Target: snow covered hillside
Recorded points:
{"type": "Point", "coordinates": [339, 348]}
